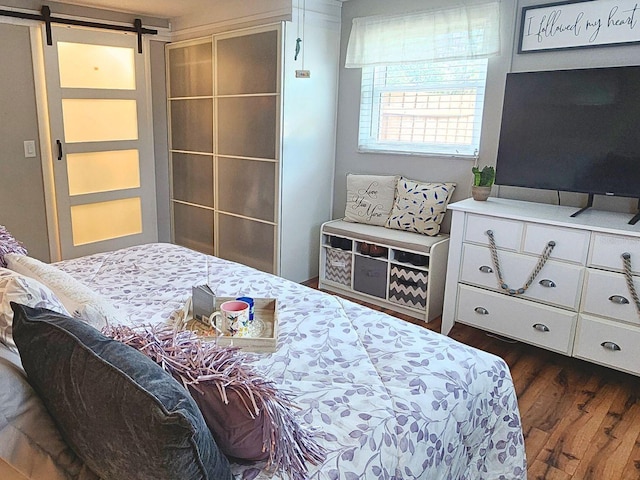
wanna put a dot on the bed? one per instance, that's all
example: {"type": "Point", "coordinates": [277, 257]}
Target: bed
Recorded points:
{"type": "Point", "coordinates": [392, 400]}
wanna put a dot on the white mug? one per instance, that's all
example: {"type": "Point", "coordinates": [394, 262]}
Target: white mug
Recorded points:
{"type": "Point", "coordinates": [232, 320]}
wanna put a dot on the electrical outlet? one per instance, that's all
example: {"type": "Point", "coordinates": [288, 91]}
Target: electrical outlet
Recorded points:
{"type": "Point", "coordinates": [303, 73]}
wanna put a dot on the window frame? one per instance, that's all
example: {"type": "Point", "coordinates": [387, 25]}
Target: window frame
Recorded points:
{"type": "Point", "coordinates": [370, 112]}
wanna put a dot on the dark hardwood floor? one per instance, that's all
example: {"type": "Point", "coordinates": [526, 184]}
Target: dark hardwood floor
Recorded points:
{"type": "Point", "coordinates": [580, 421]}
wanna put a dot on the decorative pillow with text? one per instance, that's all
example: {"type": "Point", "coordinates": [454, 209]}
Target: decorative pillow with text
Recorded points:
{"type": "Point", "coordinates": [370, 198]}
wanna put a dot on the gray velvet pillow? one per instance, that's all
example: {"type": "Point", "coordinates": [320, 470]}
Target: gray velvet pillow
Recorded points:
{"type": "Point", "coordinates": [117, 409]}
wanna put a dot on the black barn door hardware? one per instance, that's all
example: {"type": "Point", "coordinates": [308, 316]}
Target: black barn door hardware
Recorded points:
{"type": "Point", "coordinates": [45, 16]}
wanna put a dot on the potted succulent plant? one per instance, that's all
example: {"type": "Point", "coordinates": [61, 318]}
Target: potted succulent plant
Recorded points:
{"type": "Point", "coordinates": [482, 182]}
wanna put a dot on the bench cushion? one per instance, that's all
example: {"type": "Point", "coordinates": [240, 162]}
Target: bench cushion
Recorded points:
{"type": "Point", "coordinates": [375, 234]}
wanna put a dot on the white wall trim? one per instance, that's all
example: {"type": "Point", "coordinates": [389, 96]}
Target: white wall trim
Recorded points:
{"type": "Point", "coordinates": [272, 17]}
{"type": "Point", "coordinates": [44, 132]}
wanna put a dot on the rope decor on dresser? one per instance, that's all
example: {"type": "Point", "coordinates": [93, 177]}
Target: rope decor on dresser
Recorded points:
{"type": "Point", "coordinates": [544, 256]}
{"type": "Point", "coordinates": [626, 262]}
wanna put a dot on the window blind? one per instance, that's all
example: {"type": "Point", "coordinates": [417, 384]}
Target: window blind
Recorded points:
{"type": "Point", "coordinates": [467, 31]}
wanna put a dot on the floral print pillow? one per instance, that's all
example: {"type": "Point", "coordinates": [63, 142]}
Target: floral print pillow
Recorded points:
{"type": "Point", "coordinates": [80, 300]}
{"type": "Point", "coordinates": [27, 291]}
{"type": "Point", "coordinates": [8, 244]}
{"type": "Point", "coordinates": [420, 207]}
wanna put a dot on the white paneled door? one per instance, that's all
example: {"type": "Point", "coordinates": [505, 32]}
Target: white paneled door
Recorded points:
{"type": "Point", "coordinates": [101, 141]}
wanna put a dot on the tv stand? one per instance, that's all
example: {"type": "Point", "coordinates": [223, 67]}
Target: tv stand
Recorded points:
{"type": "Point", "coordinates": [636, 217]}
{"type": "Point", "coordinates": [586, 207]}
{"type": "Point", "coordinates": [579, 305]}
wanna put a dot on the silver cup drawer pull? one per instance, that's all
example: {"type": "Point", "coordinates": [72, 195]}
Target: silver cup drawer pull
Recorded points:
{"type": "Point", "coordinates": [486, 269]}
{"type": "Point", "coordinates": [619, 299]}
{"type": "Point", "coordinates": [541, 327]}
{"type": "Point", "coordinates": [481, 311]}
{"type": "Point", "coordinates": [545, 282]}
{"type": "Point", "coordinates": [614, 347]}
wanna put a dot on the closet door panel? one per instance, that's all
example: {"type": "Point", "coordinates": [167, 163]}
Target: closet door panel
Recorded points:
{"type": "Point", "coordinates": [191, 71]}
{"type": "Point", "coordinates": [246, 241]}
{"type": "Point", "coordinates": [193, 227]}
{"type": "Point", "coordinates": [192, 125]}
{"type": "Point", "coordinates": [247, 188]}
{"type": "Point", "coordinates": [192, 178]}
{"type": "Point", "coordinates": [247, 126]}
{"type": "Point", "coordinates": [248, 64]}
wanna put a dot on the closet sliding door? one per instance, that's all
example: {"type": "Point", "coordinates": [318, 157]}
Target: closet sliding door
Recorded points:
{"type": "Point", "coordinates": [190, 107]}
{"type": "Point", "coordinates": [224, 115]}
{"type": "Point", "coordinates": [247, 113]}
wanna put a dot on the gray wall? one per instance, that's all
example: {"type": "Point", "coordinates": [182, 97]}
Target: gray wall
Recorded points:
{"type": "Point", "coordinates": [22, 207]}
{"type": "Point", "coordinates": [458, 170]}
{"type": "Point", "coordinates": [160, 138]}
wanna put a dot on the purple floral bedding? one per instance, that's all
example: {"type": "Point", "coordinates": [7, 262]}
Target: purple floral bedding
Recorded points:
{"type": "Point", "coordinates": [391, 400]}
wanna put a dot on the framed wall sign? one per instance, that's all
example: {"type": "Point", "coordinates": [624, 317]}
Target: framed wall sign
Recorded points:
{"type": "Point", "coordinates": [579, 24]}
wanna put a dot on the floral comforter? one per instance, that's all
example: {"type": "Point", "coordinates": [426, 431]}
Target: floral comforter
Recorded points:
{"type": "Point", "coordinates": [392, 400]}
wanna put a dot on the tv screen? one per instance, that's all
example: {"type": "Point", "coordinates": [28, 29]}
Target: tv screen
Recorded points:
{"type": "Point", "coordinates": [572, 130]}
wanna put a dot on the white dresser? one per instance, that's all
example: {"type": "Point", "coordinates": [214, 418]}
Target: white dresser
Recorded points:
{"type": "Point", "coordinates": [579, 303]}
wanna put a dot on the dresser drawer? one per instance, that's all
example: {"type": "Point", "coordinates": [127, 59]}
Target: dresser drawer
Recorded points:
{"type": "Point", "coordinates": [541, 325]}
{"type": "Point", "coordinates": [508, 233]}
{"type": "Point", "coordinates": [608, 343]}
{"type": "Point", "coordinates": [607, 251]}
{"type": "Point", "coordinates": [571, 245]}
{"type": "Point", "coordinates": [606, 294]}
{"type": "Point", "coordinates": [557, 283]}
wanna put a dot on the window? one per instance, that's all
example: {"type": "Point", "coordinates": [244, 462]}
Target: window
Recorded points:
{"type": "Point", "coordinates": [428, 108]}
{"type": "Point", "coordinates": [423, 77]}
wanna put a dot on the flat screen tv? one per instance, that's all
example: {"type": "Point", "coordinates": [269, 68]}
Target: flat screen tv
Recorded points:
{"type": "Point", "coordinates": [573, 131]}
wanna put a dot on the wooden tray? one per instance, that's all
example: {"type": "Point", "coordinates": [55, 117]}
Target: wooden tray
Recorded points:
{"type": "Point", "coordinates": [265, 311]}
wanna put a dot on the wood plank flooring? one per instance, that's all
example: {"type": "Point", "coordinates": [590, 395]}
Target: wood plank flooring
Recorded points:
{"type": "Point", "coordinates": [580, 421]}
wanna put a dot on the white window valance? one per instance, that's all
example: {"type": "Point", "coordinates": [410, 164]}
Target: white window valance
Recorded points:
{"type": "Point", "coordinates": [463, 31]}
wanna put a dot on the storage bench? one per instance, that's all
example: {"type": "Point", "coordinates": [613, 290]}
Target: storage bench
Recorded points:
{"type": "Point", "coordinates": [405, 272]}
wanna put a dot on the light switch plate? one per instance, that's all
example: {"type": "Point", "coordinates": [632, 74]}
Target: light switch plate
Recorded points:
{"type": "Point", "coordinates": [29, 148]}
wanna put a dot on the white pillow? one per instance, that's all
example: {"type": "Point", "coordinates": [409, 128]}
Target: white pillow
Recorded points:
{"type": "Point", "coordinates": [370, 198]}
{"type": "Point", "coordinates": [420, 206]}
{"type": "Point", "coordinates": [78, 299]}
{"type": "Point", "coordinates": [27, 291]}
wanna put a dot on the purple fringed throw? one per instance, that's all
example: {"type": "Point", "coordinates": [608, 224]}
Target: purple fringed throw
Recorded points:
{"type": "Point", "coordinates": [8, 244]}
{"type": "Point", "coordinates": [249, 417]}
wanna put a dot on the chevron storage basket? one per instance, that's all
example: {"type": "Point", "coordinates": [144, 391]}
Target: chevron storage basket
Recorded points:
{"type": "Point", "coordinates": [408, 286]}
{"type": "Point", "coordinates": [338, 266]}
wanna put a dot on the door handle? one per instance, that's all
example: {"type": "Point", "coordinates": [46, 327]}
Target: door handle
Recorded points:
{"type": "Point", "coordinates": [59, 144]}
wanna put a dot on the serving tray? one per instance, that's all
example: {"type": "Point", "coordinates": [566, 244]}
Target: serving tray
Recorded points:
{"type": "Point", "coordinates": [265, 319]}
